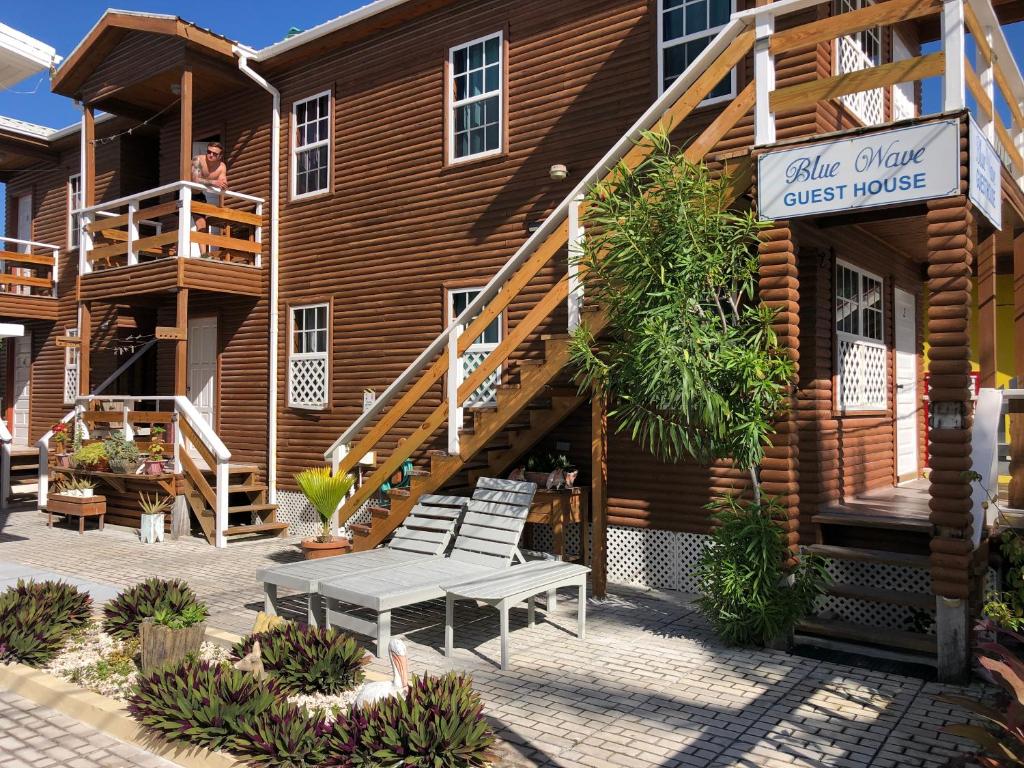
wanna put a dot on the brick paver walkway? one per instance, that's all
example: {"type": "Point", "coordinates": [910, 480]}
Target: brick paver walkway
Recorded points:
{"type": "Point", "coordinates": [650, 686]}
{"type": "Point", "coordinates": [36, 737]}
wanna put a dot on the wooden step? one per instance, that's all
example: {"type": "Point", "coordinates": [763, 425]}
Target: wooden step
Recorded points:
{"type": "Point", "coordinates": [379, 512]}
{"type": "Point", "coordinates": [917, 600]}
{"type": "Point", "coordinates": [252, 508]}
{"type": "Point", "coordinates": [234, 469]}
{"type": "Point", "coordinates": [247, 488]}
{"type": "Point", "coordinates": [877, 556]}
{"type": "Point", "coordinates": [866, 520]}
{"type": "Point", "coordinates": [890, 638]}
{"type": "Point", "coordinates": [359, 529]}
{"type": "Point", "coordinates": [278, 529]}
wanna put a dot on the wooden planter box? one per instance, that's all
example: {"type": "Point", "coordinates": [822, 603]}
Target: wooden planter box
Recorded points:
{"type": "Point", "coordinates": [76, 506]}
{"type": "Point", "coordinates": [162, 645]}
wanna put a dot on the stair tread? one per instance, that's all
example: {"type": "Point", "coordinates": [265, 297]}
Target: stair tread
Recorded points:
{"type": "Point", "coordinates": [246, 488]}
{"type": "Point", "coordinates": [844, 630]}
{"type": "Point", "coordinates": [252, 508]}
{"type": "Point", "coordinates": [868, 520]}
{"type": "Point", "coordinates": [360, 528]}
{"type": "Point", "coordinates": [879, 556]}
{"type": "Point", "coordinates": [238, 530]}
{"type": "Point", "coordinates": [917, 600]}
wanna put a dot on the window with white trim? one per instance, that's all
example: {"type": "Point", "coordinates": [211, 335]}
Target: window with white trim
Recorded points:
{"type": "Point", "coordinates": [685, 28]}
{"type": "Point", "coordinates": [71, 368]}
{"type": "Point", "coordinates": [861, 354]}
{"type": "Point", "coordinates": [311, 145]}
{"type": "Point", "coordinates": [853, 53]}
{"type": "Point", "coordinates": [475, 73]}
{"type": "Point", "coordinates": [477, 352]}
{"type": "Point", "coordinates": [308, 361]}
{"type": "Point", "coordinates": [74, 203]}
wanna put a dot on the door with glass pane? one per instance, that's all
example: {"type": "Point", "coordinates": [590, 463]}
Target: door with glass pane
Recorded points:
{"type": "Point", "coordinates": [486, 393]}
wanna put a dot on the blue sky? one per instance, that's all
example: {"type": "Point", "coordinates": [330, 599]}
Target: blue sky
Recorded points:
{"type": "Point", "coordinates": [66, 22]}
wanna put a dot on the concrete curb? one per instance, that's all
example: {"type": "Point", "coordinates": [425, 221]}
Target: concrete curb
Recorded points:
{"type": "Point", "coordinates": [111, 717]}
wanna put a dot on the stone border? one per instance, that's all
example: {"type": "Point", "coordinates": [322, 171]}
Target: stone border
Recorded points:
{"type": "Point", "coordinates": [111, 717]}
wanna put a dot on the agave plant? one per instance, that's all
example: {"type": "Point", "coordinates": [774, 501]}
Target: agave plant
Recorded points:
{"type": "Point", "coordinates": [325, 491]}
{"type": "Point", "coordinates": [1002, 738]}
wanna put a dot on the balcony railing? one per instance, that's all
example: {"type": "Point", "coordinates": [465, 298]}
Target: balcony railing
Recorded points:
{"type": "Point", "coordinates": [160, 224]}
{"type": "Point", "coordinates": [28, 268]}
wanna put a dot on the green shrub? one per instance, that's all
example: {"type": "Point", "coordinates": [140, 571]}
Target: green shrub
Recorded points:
{"type": "Point", "coordinates": [438, 723]}
{"type": "Point", "coordinates": [37, 618]}
{"type": "Point", "coordinates": [743, 589]}
{"type": "Point", "coordinates": [219, 707]}
{"type": "Point", "coordinates": [308, 659]}
{"type": "Point", "coordinates": [123, 614]}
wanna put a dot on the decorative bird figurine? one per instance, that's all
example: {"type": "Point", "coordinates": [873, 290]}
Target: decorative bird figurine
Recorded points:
{"type": "Point", "coordinates": [519, 473]}
{"type": "Point", "coordinates": [570, 477]}
{"type": "Point", "coordinates": [556, 479]}
{"type": "Point", "coordinates": [373, 692]}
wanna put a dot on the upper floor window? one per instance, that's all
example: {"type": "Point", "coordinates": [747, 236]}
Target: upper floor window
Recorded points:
{"type": "Point", "coordinates": [308, 356]}
{"type": "Point", "coordinates": [311, 145]}
{"type": "Point", "coordinates": [74, 203]}
{"type": "Point", "coordinates": [475, 127]}
{"type": "Point", "coordinates": [685, 28]}
{"type": "Point", "coordinates": [862, 358]}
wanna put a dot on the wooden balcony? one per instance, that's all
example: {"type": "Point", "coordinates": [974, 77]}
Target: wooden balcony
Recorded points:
{"type": "Point", "coordinates": [148, 243]}
{"type": "Point", "coordinates": [28, 280]}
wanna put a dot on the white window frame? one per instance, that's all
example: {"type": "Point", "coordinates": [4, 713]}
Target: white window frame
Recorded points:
{"type": "Point", "coordinates": [663, 45]}
{"type": "Point", "coordinates": [453, 105]}
{"type": "Point", "coordinates": [298, 356]}
{"type": "Point", "coordinates": [295, 148]}
{"type": "Point", "coordinates": [860, 339]}
{"type": "Point", "coordinates": [72, 356]}
{"type": "Point", "coordinates": [74, 204]}
{"type": "Point", "coordinates": [475, 400]}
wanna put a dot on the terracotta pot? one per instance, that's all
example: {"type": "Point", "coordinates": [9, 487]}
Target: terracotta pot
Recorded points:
{"type": "Point", "coordinates": [64, 460]}
{"type": "Point", "coordinates": [314, 550]}
{"type": "Point", "coordinates": [154, 467]}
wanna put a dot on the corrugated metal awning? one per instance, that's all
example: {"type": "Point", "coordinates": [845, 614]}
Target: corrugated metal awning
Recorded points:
{"type": "Point", "coordinates": [22, 56]}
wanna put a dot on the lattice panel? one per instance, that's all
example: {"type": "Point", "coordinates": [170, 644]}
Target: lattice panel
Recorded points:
{"type": "Point", "coordinates": [866, 106]}
{"type": "Point", "coordinates": [302, 519]}
{"type": "Point", "coordinates": [307, 382]}
{"type": "Point", "coordinates": [486, 393]}
{"type": "Point", "coordinates": [903, 106]}
{"type": "Point", "coordinates": [70, 383]}
{"type": "Point", "coordinates": [862, 375]}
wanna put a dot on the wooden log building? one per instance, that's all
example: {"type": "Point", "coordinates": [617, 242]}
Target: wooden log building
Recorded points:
{"type": "Point", "coordinates": [387, 276]}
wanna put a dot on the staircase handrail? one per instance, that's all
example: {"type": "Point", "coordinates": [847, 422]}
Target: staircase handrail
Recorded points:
{"type": "Point", "coordinates": [201, 427]}
{"type": "Point", "coordinates": [737, 25]}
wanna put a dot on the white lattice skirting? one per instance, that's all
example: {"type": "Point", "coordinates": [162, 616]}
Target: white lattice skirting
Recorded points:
{"type": "Point", "coordinates": [302, 519]}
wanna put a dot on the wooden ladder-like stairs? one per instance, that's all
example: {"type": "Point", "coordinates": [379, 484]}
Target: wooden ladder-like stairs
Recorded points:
{"type": "Point", "coordinates": [524, 413]}
{"type": "Point", "coordinates": [249, 514]}
{"type": "Point", "coordinates": [843, 537]}
{"type": "Point", "coordinates": [24, 475]}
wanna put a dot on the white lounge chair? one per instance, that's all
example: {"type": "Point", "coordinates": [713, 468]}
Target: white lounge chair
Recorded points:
{"type": "Point", "coordinates": [486, 543]}
{"type": "Point", "coordinates": [424, 534]}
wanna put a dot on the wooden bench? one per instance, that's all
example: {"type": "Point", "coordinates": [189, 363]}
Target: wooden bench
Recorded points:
{"type": "Point", "coordinates": [513, 586]}
{"type": "Point", "coordinates": [76, 506]}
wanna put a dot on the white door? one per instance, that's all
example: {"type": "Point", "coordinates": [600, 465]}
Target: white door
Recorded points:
{"type": "Point", "coordinates": [22, 379]}
{"type": "Point", "coordinates": [202, 366]}
{"type": "Point", "coordinates": [907, 406]}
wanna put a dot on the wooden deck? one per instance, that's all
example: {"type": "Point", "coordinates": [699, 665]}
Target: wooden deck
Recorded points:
{"type": "Point", "coordinates": [907, 502]}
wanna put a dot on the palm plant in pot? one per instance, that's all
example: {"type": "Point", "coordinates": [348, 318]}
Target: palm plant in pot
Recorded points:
{"type": "Point", "coordinates": [325, 491]}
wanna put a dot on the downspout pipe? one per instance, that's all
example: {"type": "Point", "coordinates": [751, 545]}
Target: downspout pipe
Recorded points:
{"type": "Point", "coordinates": [275, 205]}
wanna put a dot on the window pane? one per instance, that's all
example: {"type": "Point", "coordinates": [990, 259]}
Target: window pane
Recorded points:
{"type": "Point", "coordinates": [459, 61]}
{"type": "Point", "coordinates": [492, 136]}
{"type": "Point", "coordinates": [672, 25]}
{"type": "Point", "coordinates": [476, 55]}
{"type": "Point", "coordinates": [675, 63]}
{"type": "Point", "coordinates": [492, 52]}
{"type": "Point", "coordinates": [696, 17]}
{"type": "Point", "coordinates": [462, 145]}
{"type": "Point", "coordinates": [719, 12]}
{"type": "Point", "coordinates": [493, 75]}
{"type": "Point", "coordinates": [460, 87]}
{"type": "Point", "coordinates": [476, 82]}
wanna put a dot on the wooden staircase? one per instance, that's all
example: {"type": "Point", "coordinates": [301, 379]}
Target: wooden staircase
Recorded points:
{"type": "Point", "coordinates": [249, 514]}
{"type": "Point", "coordinates": [24, 475]}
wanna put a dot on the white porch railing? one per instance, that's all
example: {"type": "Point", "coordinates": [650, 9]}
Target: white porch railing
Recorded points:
{"type": "Point", "coordinates": [6, 440]}
{"type": "Point", "coordinates": [184, 411]}
{"type": "Point", "coordinates": [24, 271]}
{"type": "Point", "coordinates": [114, 232]}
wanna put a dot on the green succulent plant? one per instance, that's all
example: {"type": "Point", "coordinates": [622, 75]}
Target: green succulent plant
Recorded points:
{"type": "Point", "coordinates": [123, 614]}
{"type": "Point", "coordinates": [308, 659]}
{"type": "Point", "coordinates": [189, 616]}
{"type": "Point", "coordinates": [90, 455]}
{"type": "Point", "coordinates": [38, 618]}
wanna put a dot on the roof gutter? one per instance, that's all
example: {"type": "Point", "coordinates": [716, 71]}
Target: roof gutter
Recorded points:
{"type": "Point", "coordinates": [275, 203]}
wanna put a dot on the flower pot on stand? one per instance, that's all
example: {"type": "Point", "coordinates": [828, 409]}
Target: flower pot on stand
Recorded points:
{"type": "Point", "coordinates": [154, 467]}
{"type": "Point", "coordinates": [64, 460]}
{"type": "Point", "coordinates": [162, 645]}
{"type": "Point", "coordinates": [314, 549]}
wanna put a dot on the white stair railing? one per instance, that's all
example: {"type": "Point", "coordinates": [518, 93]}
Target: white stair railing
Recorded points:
{"type": "Point", "coordinates": [6, 439]}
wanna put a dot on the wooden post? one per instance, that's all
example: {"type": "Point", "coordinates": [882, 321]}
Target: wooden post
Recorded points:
{"type": "Point", "coordinates": [181, 345]}
{"type": "Point", "coordinates": [1016, 491]}
{"type": "Point", "coordinates": [950, 253]}
{"type": "Point", "coordinates": [89, 139]}
{"type": "Point", "coordinates": [85, 334]}
{"type": "Point", "coordinates": [987, 310]}
{"type": "Point", "coordinates": [599, 492]}
{"type": "Point", "coordinates": [186, 123]}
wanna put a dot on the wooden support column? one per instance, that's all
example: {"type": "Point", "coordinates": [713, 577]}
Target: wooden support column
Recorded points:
{"type": "Point", "coordinates": [950, 254]}
{"type": "Point", "coordinates": [84, 358]}
{"type": "Point", "coordinates": [599, 492]}
{"type": "Point", "coordinates": [89, 143]}
{"type": "Point", "coordinates": [987, 310]}
{"type": "Point", "coordinates": [185, 147]}
{"type": "Point", "coordinates": [779, 288]}
{"type": "Point", "coordinates": [1016, 491]}
{"type": "Point", "coordinates": [181, 345]}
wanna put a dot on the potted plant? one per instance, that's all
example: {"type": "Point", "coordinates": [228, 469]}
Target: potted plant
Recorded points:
{"type": "Point", "coordinates": [76, 486]}
{"type": "Point", "coordinates": [92, 457]}
{"type": "Point", "coordinates": [122, 454]}
{"type": "Point", "coordinates": [155, 461]}
{"type": "Point", "coordinates": [154, 508]}
{"type": "Point", "coordinates": [169, 635]}
{"type": "Point", "coordinates": [62, 436]}
{"type": "Point", "coordinates": [325, 492]}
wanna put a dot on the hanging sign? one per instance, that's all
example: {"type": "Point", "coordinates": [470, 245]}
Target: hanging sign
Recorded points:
{"type": "Point", "coordinates": [986, 176]}
{"type": "Point", "coordinates": [894, 167]}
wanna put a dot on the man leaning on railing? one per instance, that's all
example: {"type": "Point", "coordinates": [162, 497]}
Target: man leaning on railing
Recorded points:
{"type": "Point", "coordinates": [212, 171]}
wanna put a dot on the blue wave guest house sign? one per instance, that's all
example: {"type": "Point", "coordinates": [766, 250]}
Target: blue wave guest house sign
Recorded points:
{"type": "Point", "coordinates": [894, 167]}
